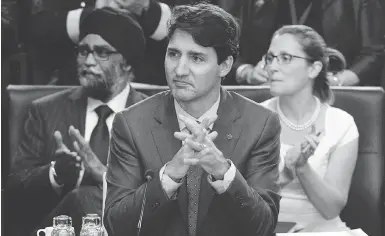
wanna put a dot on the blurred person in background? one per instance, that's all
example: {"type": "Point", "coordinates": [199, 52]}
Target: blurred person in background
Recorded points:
{"type": "Point", "coordinates": [319, 143]}
{"type": "Point", "coordinates": [64, 145]}
{"type": "Point", "coordinates": [51, 34]}
{"type": "Point", "coordinates": [355, 28]}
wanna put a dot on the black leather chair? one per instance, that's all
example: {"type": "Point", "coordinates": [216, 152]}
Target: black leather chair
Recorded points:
{"type": "Point", "coordinates": [366, 104]}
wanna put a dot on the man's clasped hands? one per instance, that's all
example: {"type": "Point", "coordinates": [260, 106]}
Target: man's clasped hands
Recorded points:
{"type": "Point", "coordinates": [198, 149]}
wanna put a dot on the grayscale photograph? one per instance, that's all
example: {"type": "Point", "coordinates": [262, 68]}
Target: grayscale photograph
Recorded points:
{"type": "Point", "coordinates": [193, 117]}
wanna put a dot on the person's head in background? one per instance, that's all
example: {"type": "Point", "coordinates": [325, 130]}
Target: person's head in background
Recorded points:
{"type": "Point", "coordinates": [203, 44]}
{"type": "Point", "coordinates": [111, 45]}
{"type": "Point", "coordinates": [298, 63]}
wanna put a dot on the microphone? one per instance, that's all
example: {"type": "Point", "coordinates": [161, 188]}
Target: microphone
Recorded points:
{"type": "Point", "coordinates": [148, 175]}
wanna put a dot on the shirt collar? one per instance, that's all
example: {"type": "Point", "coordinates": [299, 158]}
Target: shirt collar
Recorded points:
{"type": "Point", "coordinates": [209, 113]}
{"type": "Point", "coordinates": [117, 103]}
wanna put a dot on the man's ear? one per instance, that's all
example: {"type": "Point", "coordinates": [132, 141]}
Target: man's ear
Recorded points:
{"type": "Point", "coordinates": [225, 66]}
{"type": "Point", "coordinates": [315, 69]}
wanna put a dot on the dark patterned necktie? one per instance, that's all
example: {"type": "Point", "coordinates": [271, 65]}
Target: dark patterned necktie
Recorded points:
{"type": "Point", "coordinates": [100, 137]}
{"type": "Point", "coordinates": [193, 188]}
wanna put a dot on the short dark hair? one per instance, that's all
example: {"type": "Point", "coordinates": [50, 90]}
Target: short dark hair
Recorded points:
{"type": "Point", "coordinates": [315, 48]}
{"type": "Point", "coordinates": [209, 25]}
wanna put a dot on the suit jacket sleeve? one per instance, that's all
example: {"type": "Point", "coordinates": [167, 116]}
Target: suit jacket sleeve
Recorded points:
{"type": "Point", "coordinates": [126, 186]}
{"type": "Point", "coordinates": [252, 197]}
{"type": "Point", "coordinates": [369, 62]}
{"type": "Point", "coordinates": [29, 176]}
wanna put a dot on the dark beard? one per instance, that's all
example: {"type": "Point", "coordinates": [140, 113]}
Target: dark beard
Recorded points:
{"type": "Point", "coordinates": [98, 91]}
{"type": "Point", "coordinates": [96, 87]}
{"type": "Point", "coordinates": [101, 87]}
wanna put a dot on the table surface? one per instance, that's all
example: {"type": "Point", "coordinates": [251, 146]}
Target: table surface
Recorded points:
{"type": "Point", "coordinates": [354, 232]}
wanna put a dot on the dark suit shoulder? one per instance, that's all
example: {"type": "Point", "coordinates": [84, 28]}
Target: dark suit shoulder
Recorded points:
{"type": "Point", "coordinates": [54, 99]}
{"type": "Point", "coordinates": [147, 106]}
{"type": "Point", "coordinates": [250, 107]}
{"type": "Point", "coordinates": [141, 95]}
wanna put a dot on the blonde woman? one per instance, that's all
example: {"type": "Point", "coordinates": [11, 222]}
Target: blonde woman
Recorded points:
{"type": "Point", "coordinates": [319, 143]}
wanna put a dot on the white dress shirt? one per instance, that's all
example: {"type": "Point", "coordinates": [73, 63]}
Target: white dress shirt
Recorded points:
{"type": "Point", "coordinates": [221, 186]}
{"type": "Point", "coordinates": [117, 104]}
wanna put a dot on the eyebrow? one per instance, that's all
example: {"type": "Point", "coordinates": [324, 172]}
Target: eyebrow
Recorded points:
{"type": "Point", "coordinates": [172, 49]}
{"type": "Point", "coordinates": [191, 53]}
{"type": "Point", "coordinates": [105, 47]}
{"type": "Point", "coordinates": [286, 52]}
{"type": "Point", "coordinates": [199, 54]}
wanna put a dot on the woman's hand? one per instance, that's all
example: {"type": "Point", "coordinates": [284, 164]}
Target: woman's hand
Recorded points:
{"type": "Point", "coordinates": [297, 156]}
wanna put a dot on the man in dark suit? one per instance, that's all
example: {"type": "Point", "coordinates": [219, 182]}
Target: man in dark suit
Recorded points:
{"type": "Point", "coordinates": [64, 147]}
{"type": "Point", "coordinates": [219, 183]}
{"type": "Point", "coordinates": [355, 28]}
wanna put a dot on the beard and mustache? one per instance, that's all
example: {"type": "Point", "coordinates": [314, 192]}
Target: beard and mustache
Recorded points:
{"type": "Point", "coordinates": [102, 84]}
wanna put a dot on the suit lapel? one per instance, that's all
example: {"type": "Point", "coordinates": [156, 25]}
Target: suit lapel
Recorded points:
{"type": "Point", "coordinates": [133, 97]}
{"type": "Point", "coordinates": [229, 132]}
{"type": "Point", "coordinates": [163, 133]}
{"type": "Point", "coordinates": [77, 110]}
{"type": "Point", "coordinates": [165, 142]}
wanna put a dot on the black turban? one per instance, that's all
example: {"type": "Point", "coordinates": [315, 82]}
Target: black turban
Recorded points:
{"type": "Point", "coordinates": [117, 28]}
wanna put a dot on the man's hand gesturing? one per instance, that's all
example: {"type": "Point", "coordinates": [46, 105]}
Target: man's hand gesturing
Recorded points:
{"type": "Point", "coordinates": [67, 163]}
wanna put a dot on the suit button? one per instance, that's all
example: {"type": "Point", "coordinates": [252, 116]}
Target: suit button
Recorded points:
{"type": "Point", "coordinates": [154, 206]}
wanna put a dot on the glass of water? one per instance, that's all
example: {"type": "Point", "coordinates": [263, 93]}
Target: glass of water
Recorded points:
{"type": "Point", "coordinates": [62, 226]}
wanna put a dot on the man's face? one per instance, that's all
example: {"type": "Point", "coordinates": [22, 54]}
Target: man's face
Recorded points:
{"type": "Point", "coordinates": [101, 69]}
{"type": "Point", "coordinates": [192, 71]}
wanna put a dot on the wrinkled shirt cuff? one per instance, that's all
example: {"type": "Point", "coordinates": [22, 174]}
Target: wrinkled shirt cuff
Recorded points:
{"type": "Point", "coordinates": [221, 186]}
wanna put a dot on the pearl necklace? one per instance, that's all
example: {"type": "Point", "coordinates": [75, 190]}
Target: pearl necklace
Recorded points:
{"type": "Point", "coordinates": [303, 126]}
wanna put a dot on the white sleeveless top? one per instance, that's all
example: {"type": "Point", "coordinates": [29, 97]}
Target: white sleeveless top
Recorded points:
{"type": "Point", "coordinates": [295, 206]}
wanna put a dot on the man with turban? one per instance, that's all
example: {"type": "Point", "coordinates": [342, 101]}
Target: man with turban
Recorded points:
{"type": "Point", "coordinates": [52, 32]}
{"type": "Point", "coordinates": [63, 151]}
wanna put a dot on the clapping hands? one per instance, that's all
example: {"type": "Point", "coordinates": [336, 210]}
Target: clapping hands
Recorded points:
{"type": "Point", "coordinates": [67, 163]}
{"type": "Point", "coordinates": [298, 156]}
